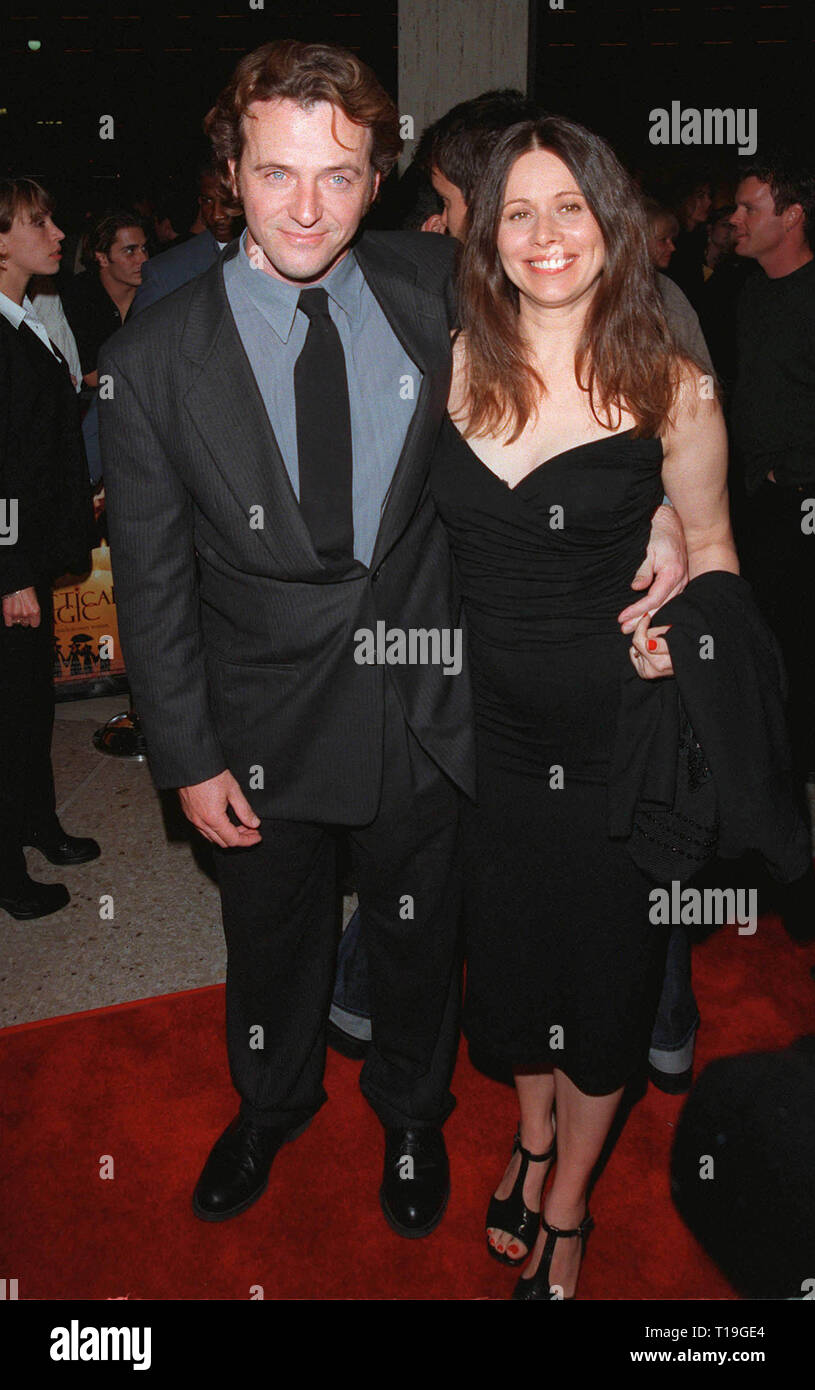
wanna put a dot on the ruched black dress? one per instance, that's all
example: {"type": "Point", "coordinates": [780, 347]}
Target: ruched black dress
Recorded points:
{"type": "Point", "coordinates": [563, 965]}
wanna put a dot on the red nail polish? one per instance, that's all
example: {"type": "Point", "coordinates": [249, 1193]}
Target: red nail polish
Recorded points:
{"type": "Point", "coordinates": [651, 644]}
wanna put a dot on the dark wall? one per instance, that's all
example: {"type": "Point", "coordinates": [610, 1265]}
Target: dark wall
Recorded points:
{"type": "Point", "coordinates": [156, 69]}
{"type": "Point", "coordinates": [608, 64]}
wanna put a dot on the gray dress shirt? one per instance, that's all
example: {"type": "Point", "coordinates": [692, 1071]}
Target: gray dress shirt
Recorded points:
{"type": "Point", "coordinates": [383, 382]}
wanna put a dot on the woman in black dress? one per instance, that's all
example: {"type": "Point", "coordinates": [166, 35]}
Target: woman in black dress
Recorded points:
{"type": "Point", "coordinates": [570, 413]}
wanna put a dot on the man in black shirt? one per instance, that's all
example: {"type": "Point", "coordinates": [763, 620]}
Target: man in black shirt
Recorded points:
{"type": "Point", "coordinates": [773, 422]}
{"type": "Point", "coordinates": [98, 302]}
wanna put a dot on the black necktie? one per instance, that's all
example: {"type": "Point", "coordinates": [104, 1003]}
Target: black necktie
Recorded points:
{"type": "Point", "coordinates": [324, 434]}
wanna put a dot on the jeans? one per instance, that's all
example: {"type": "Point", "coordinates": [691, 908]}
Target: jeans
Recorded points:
{"type": "Point", "coordinates": [674, 1035]}
{"type": "Point", "coordinates": [350, 1009]}
{"type": "Point", "coordinates": [672, 1041]}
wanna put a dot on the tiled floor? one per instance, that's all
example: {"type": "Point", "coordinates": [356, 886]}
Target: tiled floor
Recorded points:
{"type": "Point", "coordinates": [165, 933]}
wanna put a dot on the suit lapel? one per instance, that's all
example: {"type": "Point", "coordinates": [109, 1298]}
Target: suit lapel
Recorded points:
{"type": "Point", "coordinates": [227, 409]}
{"type": "Point", "coordinates": [418, 319]}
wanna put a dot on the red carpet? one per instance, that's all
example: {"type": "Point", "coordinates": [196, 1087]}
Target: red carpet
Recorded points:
{"type": "Point", "coordinates": [147, 1084]}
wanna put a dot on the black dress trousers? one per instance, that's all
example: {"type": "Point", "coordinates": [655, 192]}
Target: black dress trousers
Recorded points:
{"type": "Point", "coordinates": [279, 906]}
{"type": "Point", "coordinates": [26, 725]}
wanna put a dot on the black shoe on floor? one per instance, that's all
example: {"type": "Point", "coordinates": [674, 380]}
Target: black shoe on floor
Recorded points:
{"type": "Point", "coordinates": [346, 1043]}
{"type": "Point", "coordinates": [672, 1083]}
{"type": "Point", "coordinates": [64, 849]}
{"type": "Point", "coordinates": [27, 900]}
{"type": "Point", "coordinates": [237, 1170]}
{"type": "Point", "coordinates": [415, 1181]}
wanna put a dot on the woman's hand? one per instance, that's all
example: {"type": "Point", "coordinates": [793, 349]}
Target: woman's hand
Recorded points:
{"type": "Point", "coordinates": [649, 651]}
{"type": "Point", "coordinates": [21, 609]}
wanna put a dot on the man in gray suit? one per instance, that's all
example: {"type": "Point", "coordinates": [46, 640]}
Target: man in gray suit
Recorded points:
{"type": "Point", "coordinates": [277, 557]}
{"type": "Point", "coordinates": [239, 622]}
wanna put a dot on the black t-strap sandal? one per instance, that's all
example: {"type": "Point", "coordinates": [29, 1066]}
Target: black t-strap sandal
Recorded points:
{"type": "Point", "coordinates": [511, 1213]}
{"type": "Point", "coordinates": [538, 1287]}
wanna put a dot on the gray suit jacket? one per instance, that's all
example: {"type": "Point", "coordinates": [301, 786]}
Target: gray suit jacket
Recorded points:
{"type": "Point", "coordinates": [239, 646]}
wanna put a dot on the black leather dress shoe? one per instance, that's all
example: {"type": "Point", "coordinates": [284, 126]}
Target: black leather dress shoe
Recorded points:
{"type": "Point", "coordinates": [237, 1170]}
{"type": "Point", "coordinates": [28, 899]}
{"type": "Point", "coordinates": [415, 1182]}
{"type": "Point", "coordinates": [62, 848]}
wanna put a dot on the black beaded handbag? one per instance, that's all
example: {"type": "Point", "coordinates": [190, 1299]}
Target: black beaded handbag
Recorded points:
{"type": "Point", "coordinates": [675, 843]}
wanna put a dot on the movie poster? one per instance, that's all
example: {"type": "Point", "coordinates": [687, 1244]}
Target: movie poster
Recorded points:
{"type": "Point", "coordinates": [87, 652]}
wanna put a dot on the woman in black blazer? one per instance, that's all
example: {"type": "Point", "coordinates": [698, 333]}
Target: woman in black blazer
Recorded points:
{"type": "Point", "coordinates": [46, 529]}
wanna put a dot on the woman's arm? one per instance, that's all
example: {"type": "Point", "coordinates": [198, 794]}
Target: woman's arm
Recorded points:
{"type": "Point", "coordinates": [694, 475]}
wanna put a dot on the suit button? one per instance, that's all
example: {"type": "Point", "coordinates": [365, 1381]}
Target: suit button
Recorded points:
{"type": "Point", "coordinates": [376, 573]}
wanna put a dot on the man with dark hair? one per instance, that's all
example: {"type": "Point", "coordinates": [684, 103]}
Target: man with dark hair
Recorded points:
{"type": "Point", "coordinates": [98, 302]}
{"type": "Point", "coordinates": [773, 433]}
{"type": "Point", "coordinates": [454, 149]}
{"type": "Point", "coordinates": [266, 453]}
{"type": "Point", "coordinates": [182, 262]}
{"type": "Point", "coordinates": [171, 219]}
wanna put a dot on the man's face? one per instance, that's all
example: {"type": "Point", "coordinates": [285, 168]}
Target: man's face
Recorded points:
{"type": "Point", "coordinates": [305, 180]}
{"type": "Point", "coordinates": [215, 216]}
{"type": "Point", "coordinates": [453, 218]}
{"type": "Point", "coordinates": [758, 230]}
{"type": "Point", "coordinates": [32, 243]}
{"type": "Point", "coordinates": [126, 257]}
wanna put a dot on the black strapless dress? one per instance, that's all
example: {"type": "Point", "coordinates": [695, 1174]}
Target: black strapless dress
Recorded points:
{"type": "Point", "coordinates": [563, 965]}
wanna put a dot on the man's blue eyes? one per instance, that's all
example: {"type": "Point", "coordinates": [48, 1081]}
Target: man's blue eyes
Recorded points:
{"type": "Point", "coordinates": [277, 175]}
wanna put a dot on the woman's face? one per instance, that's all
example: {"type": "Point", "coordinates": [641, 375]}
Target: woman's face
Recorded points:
{"type": "Point", "coordinates": [31, 245]}
{"type": "Point", "coordinates": [549, 241]}
{"type": "Point", "coordinates": [721, 235]}
{"type": "Point", "coordinates": [661, 242]}
{"type": "Point", "coordinates": [699, 205]}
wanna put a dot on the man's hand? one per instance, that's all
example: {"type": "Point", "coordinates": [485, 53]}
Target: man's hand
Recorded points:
{"type": "Point", "coordinates": [663, 572]}
{"type": "Point", "coordinates": [205, 803]}
{"type": "Point", "coordinates": [21, 609]}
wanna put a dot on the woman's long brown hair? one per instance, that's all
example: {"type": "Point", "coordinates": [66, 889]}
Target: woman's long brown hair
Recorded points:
{"type": "Point", "coordinates": [626, 357]}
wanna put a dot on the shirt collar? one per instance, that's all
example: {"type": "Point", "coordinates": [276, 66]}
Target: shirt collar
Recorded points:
{"type": "Point", "coordinates": [277, 300]}
{"type": "Point", "coordinates": [15, 313]}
